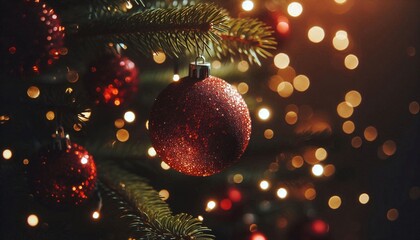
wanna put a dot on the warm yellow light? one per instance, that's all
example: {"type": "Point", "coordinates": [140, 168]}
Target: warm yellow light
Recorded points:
{"type": "Point", "coordinates": [119, 123]}
{"type": "Point", "coordinates": [310, 193]}
{"type": "Point", "coordinates": [297, 161]}
{"type": "Point", "coordinates": [164, 166]}
{"type": "Point", "coordinates": [344, 110]}
{"type": "Point", "coordinates": [247, 5]}
{"type": "Point", "coordinates": [122, 135]}
{"type": "Point", "coordinates": [264, 113]}
{"type": "Point", "coordinates": [291, 117]}
{"type": "Point", "coordinates": [238, 178]}
{"type": "Point", "coordinates": [321, 154]}
{"type": "Point", "coordinates": [356, 142]}
{"type": "Point", "coordinates": [340, 42]}
{"type": "Point", "coordinates": [7, 154]}
{"type": "Point", "coordinates": [317, 170]}
{"type": "Point", "coordinates": [216, 64]}
{"type": "Point", "coordinates": [210, 205]}
{"type": "Point", "coordinates": [281, 60]}
{"type": "Point", "coordinates": [264, 185]}
{"type": "Point", "coordinates": [243, 88]}
{"type": "Point", "coordinates": [96, 215]}
{"type": "Point", "coordinates": [414, 107]}
{"type": "Point", "coordinates": [370, 133]}
{"type": "Point", "coordinates": [301, 83]}
{"type": "Point", "coordinates": [392, 214]}
{"type": "Point", "coordinates": [32, 220]}
{"type": "Point", "coordinates": [282, 193]}
{"type": "Point", "coordinates": [159, 57]}
{"type": "Point", "coordinates": [389, 147]}
{"type": "Point", "coordinates": [353, 98]}
{"type": "Point", "coordinates": [176, 77]}
{"type": "Point", "coordinates": [77, 127]}
{"type": "Point", "coordinates": [151, 151]}
{"type": "Point", "coordinates": [316, 34]}
{"type": "Point", "coordinates": [25, 161]}
{"type": "Point", "coordinates": [84, 159]}
{"type": "Point", "coordinates": [329, 170]}
{"type": "Point", "coordinates": [340, 1]}
{"type": "Point", "coordinates": [128, 5]}
{"type": "Point", "coordinates": [147, 124]}
{"type": "Point", "coordinates": [348, 127]}
{"type": "Point", "coordinates": [243, 66]}
{"type": "Point", "coordinates": [33, 92]}
{"type": "Point", "coordinates": [364, 198]}
{"type": "Point", "coordinates": [200, 218]}
{"type": "Point", "coordinates": [351, 61]}
{"type": "Point", "coordinates": [50, 115]}
{"type": "Point", "coordinates": [334, 202]}
{"type": "Point", "coordinates": [294, 9]}
{"type": "Point", "coordinates": [129, 116]}
{"type": "Point", "coordinates": [268, 134]}
{"type": "Point", "coordinates": [164, 194]}
{"type": "Point", "coordinates": [285, 89]}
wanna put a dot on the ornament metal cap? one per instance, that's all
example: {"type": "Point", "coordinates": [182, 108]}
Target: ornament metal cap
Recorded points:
{"type": "Point", "coordinates": [199, 70]}
{"type": "Point", "coordinates": [61, 140]}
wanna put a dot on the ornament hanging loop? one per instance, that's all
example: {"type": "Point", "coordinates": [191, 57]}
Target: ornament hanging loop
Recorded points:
{"type": "Point", "coordinates": [61, 140]}
{"type": "Point", "coordinates": [198, 70]}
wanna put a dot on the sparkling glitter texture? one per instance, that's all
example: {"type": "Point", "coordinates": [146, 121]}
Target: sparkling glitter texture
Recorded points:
{"type": "Point", "coordinates": [200, 127]}
{"type": "Point", "coordinates": [63, 177]}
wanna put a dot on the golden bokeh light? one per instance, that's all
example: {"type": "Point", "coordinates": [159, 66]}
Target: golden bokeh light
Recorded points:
{"type": "Point", "coordinates": [392, 214]}
{"type": "Point", "coordinates": [33, 92]}
{"type": "Point", "coordinates": [243, 88]}
{"type": "Point", "coordinates": [176, 77]}
{"type": "Point", "coordinates": [247, 5]}
{"type": "Point", "coordinates": [297, 161]}
{"type": "Point", "coordinates": [282, 193]}
{"type": "Point", "coordinates": [414, 193]}
{"type": "Point", "coordinates": [291, 118]}
{"type": "Point", "coordinates": [317, 170]}
{"type": "Point", "coordinates": [268, 134]}
{"type": "Point", "coordinates": [243, 66]}
{"type": "Point", "coordinates": [129, 116]}
{"type": "Point", "coordinates": [364, 198]}
{"type": "Point", "coordinates": [301, 83]}
{"type": "Point", "coordinates": [216, 64]}
{"type": "Point", "coordinates": [389, 147]}
{"type": "Point", "coordinates": [151, 152]}
{"type": "Point", "coordinates": [287, 74]}
{"type": "Point", "coordinates": [210, 205]}
{"type": "Point", "coordinates": [351, 61]}
{"type": "Point", "coordinates": [159, 57]}
{"type": "Point", "coordinates": [7, 154]}
{"type": "Point", "coordinates": [95, 215]}
{"type": "Point", "coordinates": [340, 41]}
{"type": "Point", "coordinates": [281, 60]}
{"type": "Point", "coordinates": [164, 166]}
{"type": "Point", "coordinates": [353, 98]}
{"type": "Point", "coordinates": [164, 194]}
{"type": "Point", "coordinates": [119, 123]}
{"type": "Point", "coordinates": [340, 1]}
{"type": "Point", "coordinates": [32, 220]}
{"type": "Point", "coordinates": [348, 127]}
{"type": "Point", "coordinates": [310, 194]}
{"type": "Point", "coordinates": [264, 113]}
{"type": "Point", "coordinates": [274, 82]}
{"type": "Point", "coordinates": [264, 185]}
{"type": "Point", "coordinates": [329, 170]}
{"type": "Point", "coordinates": [285, 89]}
{"type": "Point", "coordinates": [321, 154]}
{"type": "Point", "coordinates": [356, 142]}
{"type": "Point", "coordinates": [414, 107]}
{"type": "Point", "coordinates": [122, 135]}
{"type": "Point", "coordinates": [294, 9]}
{"type": "Point", "coordinates": [238, 178]}
{"type": "Point", "coordinates": [344, 110]}
{"type": "Point", "coordinates": [370, 133]}
{"type": "Point", "coordinates": [316, 34]}
{"type": "Point", "coordinates": [334, 202]}
{"type": "Point", "coordinates": [200, 218]}
{"type": "Point", "coordinates": [50, 115]}
{"type": "Point", "coordinates": [147, 124]}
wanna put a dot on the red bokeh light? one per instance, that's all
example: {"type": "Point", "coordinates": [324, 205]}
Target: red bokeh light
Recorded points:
{"type": "Point", "coordinates": [226, 204]}
{"type": "Point", "coordinates": [258, 236]}
{"type": "Point", "coordinates": [319, 227]}
{"type": "Point", "coordinates": [235, 195]}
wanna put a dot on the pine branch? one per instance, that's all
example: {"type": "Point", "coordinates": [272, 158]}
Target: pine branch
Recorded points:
{"type": "Point", "coordinates": [149, 216]}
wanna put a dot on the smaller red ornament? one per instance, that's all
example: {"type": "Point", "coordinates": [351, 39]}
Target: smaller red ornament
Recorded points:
{"type": "Point", "coordinates": [113, 80]}
{"type": "Point", "coordinates": [63, 175]}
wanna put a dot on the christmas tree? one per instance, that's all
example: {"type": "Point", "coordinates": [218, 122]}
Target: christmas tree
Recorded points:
{"type": "Point", "coordinates": [272, 119]}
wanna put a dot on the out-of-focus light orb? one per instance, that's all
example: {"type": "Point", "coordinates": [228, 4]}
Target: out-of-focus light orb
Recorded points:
{"type": "Point", "coordinates": [291, 117]}
{"type": "Point", "coordinates": [392, 214]}
{"type": "Point", "coordinates": [95, 215]}
{"type": "Point", "coordinates": [268, 134]}
{"type": "Point", "coordinates": [414, 107]}
{"type": "Point", "coordinates": [200, 218]}
{"type": "Point", "coordinates": [348, 127]}
{"type": "Point", "coordinates": [164, 166]}
{"type": "Point", "coordinates": [282, 193]}
{"type": "Point", "coordinates": [294, 9]}
{"type": "Point", "coordinates": [285, 89]}
{"type": "Point", "coordinates": [340, 42]}
{"type": "Point", "coordinates": [340, 1]}
{"type": "Point", "coordinates": [210, 205]}
{"type": "Point", "coordinates": [247, 5]}
{"type": "Point", "coordinates": [264, 113]}
{"type": "Point", "coordinates": [297, 161]}
{"type": "Point", "coordinates": [344, 110]}
{"type": "Point", "coordinates": [389, 147]}
{"type": "Point", "coordinates": [77, 127]}
{"type": "Point", "coordinates": [33, 92]}
{"type": "Point", "coordinates": [164, 194]}
{"type": "Point", "coordinates": [25, 161]}
{"type": "Point", "coordinates": [235, 195]}
{"type": "Point", "coordinates": [264, 185]}
{"type": "Point", "coordinates": [216, 64]}
{"type": "Point", "coordinates": [317, 170]}
{"type": "Point", "coordinates": [274, 82]}
{"type": "Point", "coordinates": [329, 170]}
{"type": "Point", "coordinates": [226, 204]}
{"type": "Point", "coordinates": [151, 152]}
{"type": "Point", "coordinates": [129, 116]}
{"type": "Point", "coordinates": [176, 77]}
{"type": "Point", "coordinates": [258, 236]}
{"type": "Point", "coordinates": [50, 115]}
{"type": "Point", "coordinates": [238, 178]}
{"type": "Point", "coordinates": [147, 124]}
{"type": "Point", "coordinates": [122, 135]}
{"type": "Point", "coordinates": [32, 220]}
{"type": "Point", "coordinates": [321, 154]}
{"type": "Point", "coordinates": [353, 98]}
{"type": "Point", "coordinates": [283, 26]}
{"type": "Point", "coordinates": [243, 88]}
{"type": "Point", "coordinates": [334, 202]}
{"type": "Point", "coordinates": [253, 227]}
{"type": "Point", "coordinates": [364, 198]}
{"type": "Point", "coordinates": [316, 34]}
{"type": "Point", "coordinates": [414, 193]}
{"type": "Point", "coordinates": [356, 142]}
{"type": "Point", "coordinates": [281, 60]}
{"type": "Point", "coordinates": [243, 66]}
{"type": "Point", "coordinates": [159, 57]}
{"type": "Point", "coordinates": [351, 61]}
{"type": "Point", "coordinates": [310, 194]}
{"type": "Point", "coordinates": [287, 74]}
{"type": "Point", "coordinates": [7, 154]}
{"type": "Point", "coordinates": [119, 123]}
{"type": "Point", "coordinates": [301, 83]}
{"type": "Point", "coordinates": [370, 133]}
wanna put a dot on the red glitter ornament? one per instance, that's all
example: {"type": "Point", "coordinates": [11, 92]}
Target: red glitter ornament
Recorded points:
{"type": "Point", "coordinates": [33, 37]}
{"type": "Point", "coordinates": [199, 125]}
{"type": "Point", "coordinates": [65, 176]}
{"type": "Point", "coordinates": [113, 80]}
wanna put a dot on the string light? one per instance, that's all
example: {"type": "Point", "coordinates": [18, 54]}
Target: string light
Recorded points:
{"type": "Point", "coordinates": [32, 220]}
{"type": "Point", "coordinates": [281, 60]}
{"type": "Point", "coordinates": [294, 9]}
{"type": "Point", "coordinates": [364, 198]}
{"type": "Point", "coordinates": [334, 202]}
{"type": "Point", "coordinates": [321, 154]}
{"type": "Point", "coordinates": [247, 5]}
{"type": "Point", "coordinates": [351, 61]}
{"type": "Point", "coordinates": [264, 185]}
{"type": "Point", "coordinates": [164, 194]}
{"type": "Point", "coordinates": [151, 152]}
{"type": "Point", "coordinates": [96, 215]}
{"type": "Point", "coordinates": [316, 34]}
{"type": "Point", "coordinates": [200, 218]}
{"type": "Point", "coordinates": [210, 205]}
{"type": "Point", "coordinates": [159, 57]}
{"type": "Point", "coordinates": [264, 114]}
{"type": "Point", "coordinates": [176, 77]}
{"type": "Point", "coordinates": [122, 135]}
{"type": "Point", "coordinates": [33, 92]}
{"type": "Point", "coordinates": [317, 170]}
{"type": "Point", "coordinates": [7, 154]}
{"type": "Point", "coordinates": [164, 166]}
{"type": "Point", "coordinates": [129, 116]}
{"type": "Point", "coordinates": [282, 193]}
